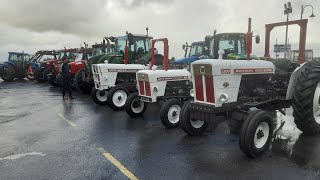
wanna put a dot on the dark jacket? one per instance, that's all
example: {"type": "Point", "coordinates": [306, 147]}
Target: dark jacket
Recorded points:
{"type": "Point", "coordinates": [65, 70]}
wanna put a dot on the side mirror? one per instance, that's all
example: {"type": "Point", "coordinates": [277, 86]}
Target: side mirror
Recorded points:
{"type": "Point", "coordinates": [257, 39]}
{"type": "Point", "coordinates": [184, 47]}
{"type": "Point", "coordinates": [130, 38]}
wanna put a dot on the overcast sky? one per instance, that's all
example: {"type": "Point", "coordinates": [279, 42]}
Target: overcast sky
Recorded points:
{"type": "Point", "coordinates": [52, 24]}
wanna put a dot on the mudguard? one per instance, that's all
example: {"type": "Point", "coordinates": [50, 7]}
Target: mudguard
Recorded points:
{"type": "Point", "coordinates": [293, 80]}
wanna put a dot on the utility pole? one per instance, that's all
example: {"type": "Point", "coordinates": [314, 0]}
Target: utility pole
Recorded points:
{"type": "Point", "coordinates": [287, 11]}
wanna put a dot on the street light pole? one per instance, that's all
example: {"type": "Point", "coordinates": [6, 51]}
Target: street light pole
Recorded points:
{"type": "Point", "coordinates": [287, 11]}
{"type": "Point", "coordinates": [302, 10]}
{"type": "Point", "coordinates": [286, 42]}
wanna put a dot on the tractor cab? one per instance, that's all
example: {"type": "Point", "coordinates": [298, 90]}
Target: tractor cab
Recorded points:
{"type": "Point", "coordinates": [233, 44]}
{"type": "Point", "coordinates": [16, 57]}
{"type": "Point", "coordinates": [138, 48]}
{"type": "Point", "coordinates": [15, 67]}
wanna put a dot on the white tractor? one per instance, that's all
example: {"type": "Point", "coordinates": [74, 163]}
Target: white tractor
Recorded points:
{"type": "Point", "coordinates": [249, 92]}
{"type": "Point", "coordinates": [114, 82]}
{"type": "Point", "coordinates": [155, 85]}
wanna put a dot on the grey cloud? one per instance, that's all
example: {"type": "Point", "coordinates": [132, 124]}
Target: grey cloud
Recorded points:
{"type": "Point", "coordinates": [129, 4]}
{"type": "Point", "coordinates": [48, 15]}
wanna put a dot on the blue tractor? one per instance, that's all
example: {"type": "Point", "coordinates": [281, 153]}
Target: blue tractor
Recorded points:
{"type": "Point", "coordinates": [198, 50]}
{"type": "Point", "coordinates": [15, 67]}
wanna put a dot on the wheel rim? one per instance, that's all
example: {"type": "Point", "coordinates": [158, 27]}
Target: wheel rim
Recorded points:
{"type": "Point", "coordinates": [316, 104]}
{"type": "Point", "coordinates": [261, 135]}
{"type": "Point", "coordinates": [137, 105]}
{"type": "Point", "coordinates": [101, 95]}
{"type": "Point", "coordinates": [196, 123]}
{"type": "Point", "coordinates": [119, 98]}
{"type": "Point", "coordinates": [173, 114]}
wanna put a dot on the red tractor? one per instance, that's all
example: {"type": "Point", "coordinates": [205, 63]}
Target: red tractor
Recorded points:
{"type": "Point", "coordinates": [76, 58]}
{"type": "Point", "coordinates": [53, 66]}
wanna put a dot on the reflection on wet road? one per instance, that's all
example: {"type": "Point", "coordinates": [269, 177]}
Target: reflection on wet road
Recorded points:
{"type": "Point", "coordinates": [69, 135]}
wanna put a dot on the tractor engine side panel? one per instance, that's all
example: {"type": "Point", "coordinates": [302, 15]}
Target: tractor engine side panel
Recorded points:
{"type": "Point", "coordinates": [256, 88]}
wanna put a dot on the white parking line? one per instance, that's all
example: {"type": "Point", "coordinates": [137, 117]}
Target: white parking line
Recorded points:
{"type": "Point", "coordinates": [68, 121]}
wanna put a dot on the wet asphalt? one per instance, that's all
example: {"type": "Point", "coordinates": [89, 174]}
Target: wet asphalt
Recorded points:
{"type": "Point", "coordinates": [44, 137]}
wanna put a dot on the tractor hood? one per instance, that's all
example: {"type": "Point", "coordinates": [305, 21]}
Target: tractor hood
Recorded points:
{"type": "Point", "coordinates": [228, 67]}
{"type": "Point", "coordinates": [163, 75]}
{"type": "Point", "coordinates": [186, 60]}
{"type": "Point", "coordinates": [50, 61]}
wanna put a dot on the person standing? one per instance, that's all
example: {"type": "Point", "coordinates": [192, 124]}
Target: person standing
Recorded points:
{"type": "Point", "coordinates": [66, 78]}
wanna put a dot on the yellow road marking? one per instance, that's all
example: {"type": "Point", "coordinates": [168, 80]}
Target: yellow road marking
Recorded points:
{"type": "Point", "coordinates": [115, 162]}
{"type": "Point", "coordinates": [68, 121]}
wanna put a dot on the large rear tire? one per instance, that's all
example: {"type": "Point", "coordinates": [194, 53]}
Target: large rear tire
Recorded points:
{"type": "Point", "coordinates": [84, 87]}
{"type": "Point", "coordinates": [38, 75]}
{"type": "Point", "coordinates": [306, 100]}
{"type": "Point", "coordinates": [117, 98]}
{"type": "Point", "coordinates": [99, 97]}
{"type": "Point", "coordinates": [9, 74]}
{"type": "Point", "coordinates": [59, 80]}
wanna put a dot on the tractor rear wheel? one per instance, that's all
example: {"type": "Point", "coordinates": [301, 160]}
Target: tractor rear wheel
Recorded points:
{"type": "Point", "coordinates": [99, 96]}
{"type": "Point", "coordinates": [9, 74]}
{"type": "Point", "coordinates": [306, 100]}
{"type": "Point", "coordinates": [169, 113]}
{"type": "Point", "coordinates": [39, 76]}
{"type": "Point", "coordinates": [256, 133]}
{"type": "Point", "coordinates": [135, 107]}
{"type": "Point", "coordinates": [53, 81]}
{"type": "Point", "coordinates": [59, 80]}
{"type": "Point", "coordinates": [191, 126]}
{"type": "Point", "coordinates": [117, 98]}
{"type": "Point", "coordinates": [45, 74]}
{"type": "Point", "coordinates": [84, 87]}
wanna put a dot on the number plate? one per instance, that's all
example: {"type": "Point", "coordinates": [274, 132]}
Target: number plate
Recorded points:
{"type": "Point", "coordinates": [146, 99]}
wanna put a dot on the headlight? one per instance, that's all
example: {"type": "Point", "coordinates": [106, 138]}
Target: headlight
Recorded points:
{"type": "Point", "coordinates": [155, 89]}
{"type": "Point", "coordinates": [223, 98]}
{"type": "Point", "coordinates": [192, 92]}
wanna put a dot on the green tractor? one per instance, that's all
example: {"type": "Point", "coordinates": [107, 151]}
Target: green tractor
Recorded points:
{"type": "Point", "coordinates": [112, 51]}
{"type": "Point", "coordinates": [233, 44]}
{"type": "Point", "coordinates": [15, 67]}
{"type": "Point", "coordinates": [83, 79]}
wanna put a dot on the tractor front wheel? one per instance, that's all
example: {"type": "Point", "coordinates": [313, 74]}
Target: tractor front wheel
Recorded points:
{"type": "Point", "coordinates": [99, 96]}
{"type": "Point", "coordinates": [117, 98]}
{"type": "Point", "coordinates": [256, 133]}
{"type": "Point", "coordinates": [9, 74]}
{"type": "Point", "coordinates": [306, 100]}
{"type": "Point", "coordinates": [135, 107]}
{"type": "Point", "coordinates": [169, 113]}
{"type": "Point", "coordinates": [192, 126]}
